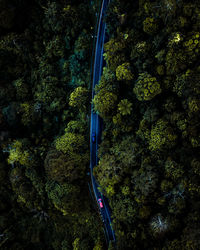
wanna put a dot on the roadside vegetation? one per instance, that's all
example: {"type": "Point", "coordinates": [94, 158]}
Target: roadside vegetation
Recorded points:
{"type": "Point", "coordinates": [45, 57]}
{"type": "Point", "coordinates": [149, 99]}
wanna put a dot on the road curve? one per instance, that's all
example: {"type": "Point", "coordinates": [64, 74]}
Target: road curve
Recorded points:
{"type": "Point", "coordinates": [96, 125]}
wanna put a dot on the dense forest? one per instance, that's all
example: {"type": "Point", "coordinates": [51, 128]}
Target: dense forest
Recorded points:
{"type": "Point", "coordinates": [45, 57]}
{"type": "Point", "coordinates": [148, 98]}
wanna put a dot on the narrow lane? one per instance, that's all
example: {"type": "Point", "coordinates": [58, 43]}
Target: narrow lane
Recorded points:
{"type": "Point", "coordinates": [95, 126]}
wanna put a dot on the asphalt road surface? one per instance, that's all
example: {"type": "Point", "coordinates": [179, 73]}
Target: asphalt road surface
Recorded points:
{"type": "Point", "coordinates": [96, 126]}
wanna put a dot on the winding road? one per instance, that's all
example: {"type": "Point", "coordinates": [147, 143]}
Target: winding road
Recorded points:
{"type": "Point", "coordinates": [96, 125]}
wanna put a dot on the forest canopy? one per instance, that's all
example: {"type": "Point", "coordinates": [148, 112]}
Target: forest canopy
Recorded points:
{"type": "Point", "coordinates": [149, 100]}
{"type": "Point", "coordinates": [45, 58]}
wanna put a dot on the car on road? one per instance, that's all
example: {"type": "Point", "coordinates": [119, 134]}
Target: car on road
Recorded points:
{"type": "Point", "coordinates": [93, 137]}
{"type": "Point", "coordinates": [100, 202]}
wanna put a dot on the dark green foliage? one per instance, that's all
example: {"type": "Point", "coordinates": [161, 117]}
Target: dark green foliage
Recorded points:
{"type": "Point", "coordinates": [63, 197]}
{"type": "Point", "coordinates": [127, 207]}
{"type": "Point", "coordinates": [148, 97]}
{"type": "Point", "coordinates": [62, 168]}
{"type": "Point", "coordinates": [49, 94]}
{"type": "Point", "coordinates": [150, 25]}
{"type": "Point", "coordinates": [45, 49]}
{"type": "Point", "coordinates": [7, 14]}
{"type": "Point", "coordinates": [144, 183]}
{"type": "Point", "coordinates": [146, 87]}
{"type": "Point", "coordinates": [149, 162]}
{"type": "Point", "coordinates": [79, 71]}
{"type": "Point", "coordinates": [162, 136]}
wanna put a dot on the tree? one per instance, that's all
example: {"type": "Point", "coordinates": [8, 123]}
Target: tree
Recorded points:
{"type": "Point", "coordinates": [53, 21]}
{"type": "Point", "coordinates": [107, 77]}
{"type": "Point", "coordinates": [55, 47]}
{"type": "Point", "coordinates": [125, 107]}
{"type": "Point", "coordinates": [79, 68]}
{"type": "Point", "coordinates": [191, 236]}
{"type": "Point", "coordinates": [175, 61]}
{"type": "Point", "coordinates": [29, 116]}
{"type": "Point", "coordinates": [123, 72]}
{"type": "Point", "coordinates": [82, 45]}
{"type": "Point", "coordinates": [144, 183]}
{"type": "Point", "coordinates": [64, 167]}
{"type": "Point", "coordinates": [159, 225]}
{"type": "Point", "coordinates": [22, 90]}
{"type": "Point", "coordinates": [173, 170]}
{"type": "Point", "coordinates": [71, 142]}
{"type": "Point", "coordinates": [146, 87]}
{"type": "Point", "coordinates": [50, 94]}
{"type": "Point", "coordinates": [107, 173]}
{"type": "Point", "coordinates": [64, 197]}
{"type": "Point", "coordinates": [104, 103]}
{"type": "Point", "coordinates": [162, 136]}
{"type": "Point", "coordinates": [79, 98]}
{"type": "Point", "coordinates": [114, 52]}
{"type": "Point", "coordinates": [124, 209]}
{"type": "Point", "coordinates": [22, 187]}
{"type": "Point", "coordinates": [126, 153]}
{"type": "Point", "coordinates": [150, 25]}
{"type": "Point", "coordinates": [19, 154]}
{"type": "Point", "coordinates": [76, 127]}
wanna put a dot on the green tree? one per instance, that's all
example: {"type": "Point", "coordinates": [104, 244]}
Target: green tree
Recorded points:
{"type": "Point", "coordinates": [123, 72]}
{"type": "Point", "coordinates": [124, 209]}
{"type": "Point", "coordinates": [79, 98]}
{"type": "Point", "coordinates": [22, 90]}
{"type": "Point", "coordinates": [26, 193]}
{"type": "Point", "coordinates": [193, 104]}
{"type": "Point", "coordinates": [98, 245]}
{"type": "Point", "coordinates": [173, 170]}
{"type": "Point", "coordinates": [64, 167]}
{"type": "Point", "coordinates": [82, 45]}
{"type": "Point", "coordinates": [162, 136]}
{"type": "Point", "coordinates": [50, 94]}
{"type": "Point", "coordinates": [144, 182]}
{"type": "Point", "coordinates": [114, 52]}
{"type": "Point", "coordinates": [18, 153]}
{"type": "Point", "coordinates": [144, 130]}
{"type": "Point", "coordinates": [70, 142]}
{"type": "Point", "coordinates": [150, 25]}
{"type": "Point", "coordinates": [55, 47]}
{"type": "Point", "coordinates": [176, 61]}
{"type": "Point", "coordinates": [123, 153]}
{"type": "Point", "coordinates": [125, 107]}
{"type": "Point", "coordinates": [28, 115]}
{"type": "Point", "coordinates": [64, 197]}
{"type": "Point", "coordinates": [104, 103]}
{"type": "Point", "coordinates": [108, 173]}
{"type": "Point", "coordinates": [146, 87]}
{"type": "Point", "coordinates": [79, 68]}
{"type": "Point", "coordinates": [53, 21]}
{"type": "Point", "coordinates": [76, 127]}
{"type": "Point", "coordinates": [107, 76]}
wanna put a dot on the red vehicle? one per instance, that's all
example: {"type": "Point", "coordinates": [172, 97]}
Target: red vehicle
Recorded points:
{"type": "Point", "coordinates": [100, 202]}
